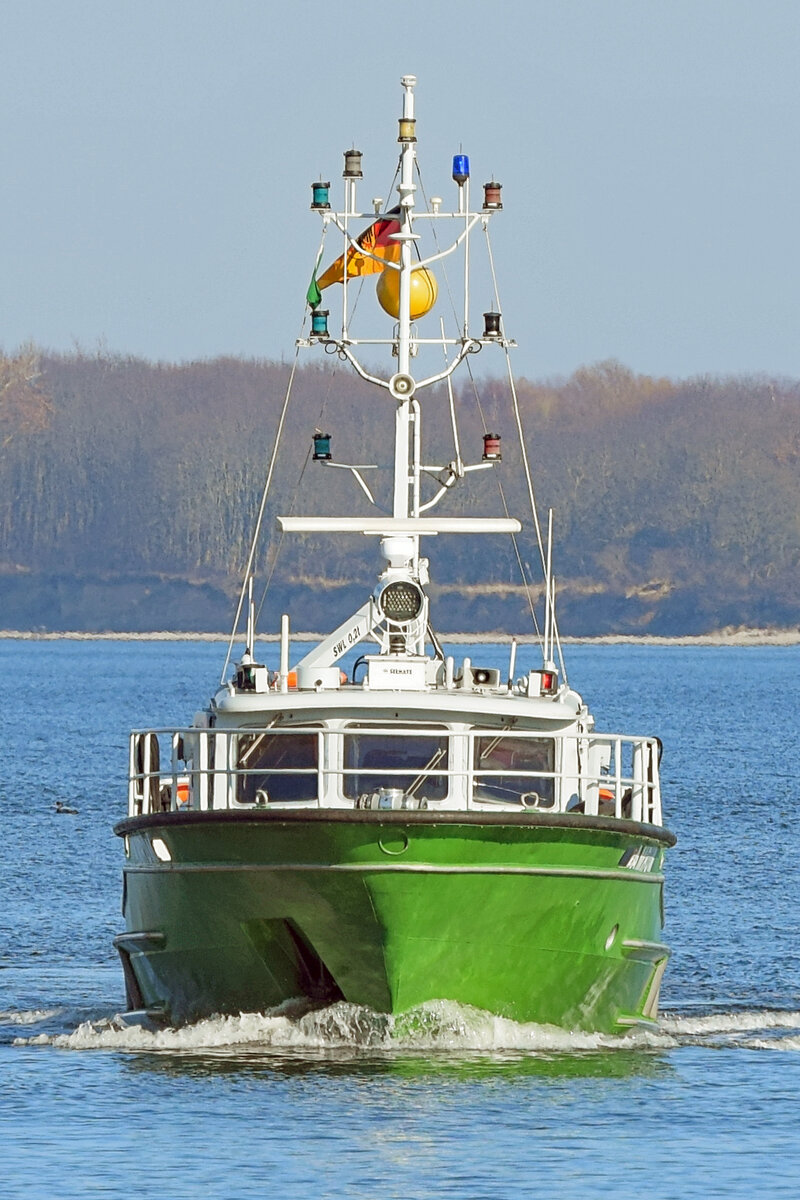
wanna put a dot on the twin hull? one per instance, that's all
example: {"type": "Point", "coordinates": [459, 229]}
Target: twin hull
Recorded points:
{"type": "Point", "coordinates": [537, 917]}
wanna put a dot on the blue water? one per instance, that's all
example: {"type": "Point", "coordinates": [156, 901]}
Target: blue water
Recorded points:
{"type": "Point", "coordinates": [334, 1104]}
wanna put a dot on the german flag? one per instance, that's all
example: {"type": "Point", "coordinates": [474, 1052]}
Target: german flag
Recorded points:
{"type": "Point", "coordinates": [377, 240]}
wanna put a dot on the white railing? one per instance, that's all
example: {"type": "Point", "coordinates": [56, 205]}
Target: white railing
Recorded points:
{"type": "Point", "coordinates": [206, 769]}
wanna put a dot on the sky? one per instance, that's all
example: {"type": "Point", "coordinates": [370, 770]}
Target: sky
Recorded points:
{"type": "Point", "coordinates": [158, 155]}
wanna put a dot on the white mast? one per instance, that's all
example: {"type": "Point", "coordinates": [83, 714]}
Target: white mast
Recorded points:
{"type": "Point", "coordinates": [404, 392]}
{"type": "Point", "coordinates": [400, 532]}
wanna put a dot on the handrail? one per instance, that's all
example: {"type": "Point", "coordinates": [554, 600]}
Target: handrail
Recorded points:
{"type": "Point", "coordinates": [199, 769]}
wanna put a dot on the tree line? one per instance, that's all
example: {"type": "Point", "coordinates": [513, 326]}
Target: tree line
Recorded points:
{"type": "Point", "coordinates": [676, 503]}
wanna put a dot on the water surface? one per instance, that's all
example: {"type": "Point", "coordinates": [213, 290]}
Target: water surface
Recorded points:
{"type": "Point", "coordinates": [343, 1103]}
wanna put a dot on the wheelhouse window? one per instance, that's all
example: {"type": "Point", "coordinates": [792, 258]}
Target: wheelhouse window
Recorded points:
{"type": "Point", "coordinates": [411, 761]}
{"type": "Point", "coordinates": [277, 766]}
{"type": "Point", "coordinates": [521, 770]}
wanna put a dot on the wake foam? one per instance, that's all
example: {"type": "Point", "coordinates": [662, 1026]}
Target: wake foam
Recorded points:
{"type": "Point", "coordinates": [435, 1027]}
{"type": "Point", "coordinates": [31, 1016]}
{"type": "Point", "coordinates": [744, 1022]}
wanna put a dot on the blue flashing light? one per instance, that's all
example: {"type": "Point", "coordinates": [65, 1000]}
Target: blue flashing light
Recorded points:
{"type": "Point", "coordinates": [460, 168]}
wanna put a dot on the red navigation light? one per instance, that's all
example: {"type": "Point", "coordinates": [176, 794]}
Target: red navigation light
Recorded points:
{"type": "Point", "coordinates": [543, 682]}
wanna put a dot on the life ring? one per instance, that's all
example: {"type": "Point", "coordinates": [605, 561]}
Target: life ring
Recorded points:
{"type": "Point", "coordinates": [291, 681]}
{"type": "Point", "coordinates": [606, 802]}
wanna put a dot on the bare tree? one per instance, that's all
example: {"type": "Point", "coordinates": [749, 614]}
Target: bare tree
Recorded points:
{"type": "Point", "coordinates": [25, 405]}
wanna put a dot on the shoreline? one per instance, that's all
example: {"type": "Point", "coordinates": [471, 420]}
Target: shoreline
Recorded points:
{"type": "Point", "coordinates": [725, 637]}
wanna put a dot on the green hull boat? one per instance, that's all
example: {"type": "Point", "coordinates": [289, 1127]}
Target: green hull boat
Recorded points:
{"type": "Point", "coordinates": [533, 917]}
{"type": "Point", "coordinates": [413, 828]}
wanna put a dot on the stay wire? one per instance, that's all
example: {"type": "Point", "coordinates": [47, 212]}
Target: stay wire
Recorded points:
{"type": "Point", "coordinates": [521, 566]}
{"type": "Point", "coordinates": [330, 376]}
{"type": "Point", "coordinates": [525, 460]}
{"type": "Point", "coordinates": [262, 508]}
{"type": "Point", "coordinates": [268, 481]}
{"type": "Point", "coordinates": [526, 583]}
{"type": "Point", "coordinates": [442, 265]}
{"type": "Point", "coordinates": [518, 417]}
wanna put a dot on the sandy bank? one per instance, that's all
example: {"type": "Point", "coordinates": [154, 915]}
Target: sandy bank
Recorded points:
{"type": "Point", "coordinates": [725, 637]}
